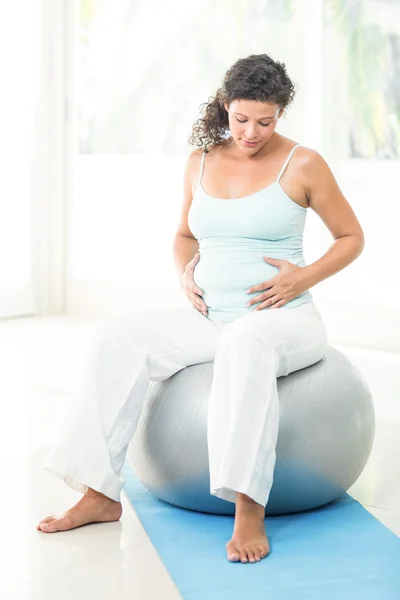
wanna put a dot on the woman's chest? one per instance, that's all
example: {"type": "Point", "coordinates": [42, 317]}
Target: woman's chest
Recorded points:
{"type": "Point", "coordinates": [226, 182]}
{"type": "Point", "coordinates": [269, 214]}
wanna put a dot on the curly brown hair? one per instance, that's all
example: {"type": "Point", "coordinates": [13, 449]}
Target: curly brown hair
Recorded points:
{"type": "Point", "coordinates": [257, 77]}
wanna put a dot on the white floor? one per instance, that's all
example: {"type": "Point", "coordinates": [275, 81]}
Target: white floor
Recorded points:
{"type": "Point", "coordinates": [42, 362]}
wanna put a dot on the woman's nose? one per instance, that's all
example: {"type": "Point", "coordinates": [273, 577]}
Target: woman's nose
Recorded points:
{"type": "Point", "coordinates": [250, 133]}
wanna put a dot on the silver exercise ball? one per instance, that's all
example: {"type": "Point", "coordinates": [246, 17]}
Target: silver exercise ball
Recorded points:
{"type": "Point", "coordinates": [326, 432]}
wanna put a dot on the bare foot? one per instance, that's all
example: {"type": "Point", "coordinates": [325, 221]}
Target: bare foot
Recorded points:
{"type": "Point", "coordinates": [93, 507]}
{"type": "Point", "coordinates": [249, 542]}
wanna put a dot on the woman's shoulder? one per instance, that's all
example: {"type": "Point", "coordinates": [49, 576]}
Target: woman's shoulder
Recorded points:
{"type": "Point", "coordinates": [308, 159]}
{"type": "Point", "coordinates": [303, 156]}
{"type": "Point", "coordinates": [308, 165]}
{"type": "Point", "coordinates": [286, 145]}
{"type": "Point", "coordinates": [194, 158]}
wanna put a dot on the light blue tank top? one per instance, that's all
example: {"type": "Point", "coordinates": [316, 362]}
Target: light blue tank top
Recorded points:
{"type": "Point", "coordinates": [234, 235]}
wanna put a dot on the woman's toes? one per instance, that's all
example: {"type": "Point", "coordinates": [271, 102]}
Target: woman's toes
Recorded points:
{"type": "Point", "coordinates": [46, 527]}
{"type": "Point", "coordinates": [257, 555]}
{"type": "Point", "coordinates": [234, 556]}
{"type": "Point", "coordinates": [245, 555]}
{"type": "Point", "coordinates": [250, 555]}
{"type": "Point", "coordinates": [46, 520]}
{"type": "Point", "coordinates": [60, 524]}
{"type": "Point", "coordinates": [232, 552]}
{"type": "Point", "coordinates": [50, 527]}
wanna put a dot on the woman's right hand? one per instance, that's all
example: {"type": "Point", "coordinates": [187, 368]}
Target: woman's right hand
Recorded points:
{"type": "Point", "coordinates": [192, 291]}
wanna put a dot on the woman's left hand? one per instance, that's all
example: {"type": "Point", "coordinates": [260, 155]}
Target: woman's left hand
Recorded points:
{"type": "Point", "coordinates": [285, 286]}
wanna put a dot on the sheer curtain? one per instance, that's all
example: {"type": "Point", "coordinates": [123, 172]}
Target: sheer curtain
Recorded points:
{"type": "Point", "coordinates": [141, 71]}
{"type": "Point", "coordinates": [20, 73]}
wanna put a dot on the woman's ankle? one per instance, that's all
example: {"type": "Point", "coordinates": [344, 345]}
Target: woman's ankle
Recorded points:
{"type": "Point", "coordinates": [95, 494]}
{"type": "Point", "coordinates": [246, 505]}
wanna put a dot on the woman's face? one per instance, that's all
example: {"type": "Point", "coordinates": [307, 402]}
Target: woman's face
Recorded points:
{"type": "Point", "coordinates": [252, 121]}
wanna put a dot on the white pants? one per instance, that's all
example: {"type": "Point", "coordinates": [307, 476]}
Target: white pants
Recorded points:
{"type": "Point", "coordinates": [131, 350]}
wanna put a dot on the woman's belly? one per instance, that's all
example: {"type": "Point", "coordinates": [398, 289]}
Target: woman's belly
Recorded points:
{"type": "Point", "coordinates": [225, 276]}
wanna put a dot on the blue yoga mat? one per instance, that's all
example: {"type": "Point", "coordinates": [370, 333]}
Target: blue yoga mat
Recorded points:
{"type": "Point", "coordinates": [336, 552]}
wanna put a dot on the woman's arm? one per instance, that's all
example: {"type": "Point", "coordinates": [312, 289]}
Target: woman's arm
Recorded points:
{"type": "Point", "coordinates": [327, 200]}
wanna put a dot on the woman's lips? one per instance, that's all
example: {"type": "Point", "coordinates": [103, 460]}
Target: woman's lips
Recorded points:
{"type": "Point", "coordinates": [250, 143]}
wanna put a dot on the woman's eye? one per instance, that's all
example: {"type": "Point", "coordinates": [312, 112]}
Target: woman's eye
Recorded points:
{"type": "Point", "coordinates": [262, 124]}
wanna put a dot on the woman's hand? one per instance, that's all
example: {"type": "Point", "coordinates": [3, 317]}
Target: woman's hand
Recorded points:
{"type": "Point", "coordinates": [191, 290]}
{"type": "Point", "coordinates": [285, 286]}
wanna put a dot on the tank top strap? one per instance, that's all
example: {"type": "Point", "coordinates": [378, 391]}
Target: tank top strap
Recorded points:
{"type": "Point", "coordinates": [202, 166]}
{"type": "Point", "coordinates": [287, 161]}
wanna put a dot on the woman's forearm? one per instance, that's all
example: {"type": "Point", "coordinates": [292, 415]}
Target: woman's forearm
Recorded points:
{"type": "Point", "coordinates": [184, 249]}
{"type": "Point", "coordinates": [343, 251]}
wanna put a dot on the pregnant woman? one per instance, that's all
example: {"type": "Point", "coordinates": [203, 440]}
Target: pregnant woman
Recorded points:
{"type": "Point", "coordinates": [239, 256]}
